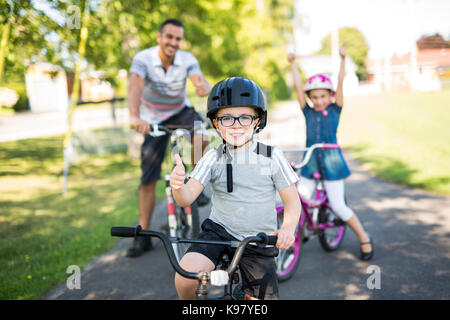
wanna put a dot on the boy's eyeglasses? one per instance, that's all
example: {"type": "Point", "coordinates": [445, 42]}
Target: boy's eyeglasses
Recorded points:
{"type": "Point", "coordinates": [244, 120]}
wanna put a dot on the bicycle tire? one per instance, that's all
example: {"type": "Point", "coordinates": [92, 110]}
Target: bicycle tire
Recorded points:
{"type": "Point", "coordinates": [184, 228]}
{"type": "Point", "coordinates": [331, 238]}
{"type": "Point", "coordinates": [288, 260]}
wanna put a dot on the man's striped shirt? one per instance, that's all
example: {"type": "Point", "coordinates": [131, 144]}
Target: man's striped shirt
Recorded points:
{"type": "Point", "coordinates": [164, 92]}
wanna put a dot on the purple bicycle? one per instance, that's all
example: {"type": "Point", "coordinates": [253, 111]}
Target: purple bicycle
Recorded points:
{"type": "Point", "coordinates": [317, 218]}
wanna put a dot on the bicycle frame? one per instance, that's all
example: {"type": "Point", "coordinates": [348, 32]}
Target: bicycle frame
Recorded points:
{"type": "Point", "coordinates": [320, 197]}
{"type": "Point", "coordinates": [316, 218]}
{"type": "Point", "coordinates": [307, 217]}
{"type": "Point", "coordinates": [175, 132]}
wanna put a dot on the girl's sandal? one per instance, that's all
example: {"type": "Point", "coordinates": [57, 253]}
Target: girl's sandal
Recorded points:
{"type": "Point", "coordinates": [366, 256]}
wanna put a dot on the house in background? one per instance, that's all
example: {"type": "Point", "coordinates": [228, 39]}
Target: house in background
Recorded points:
{"type": "Point", "coordinates": [94, 88]}
{"type": "Point", "coordinates": [46, 86]}
{"type": "Point", "coordinates": [328, 65]}
{"type": "Point", "coordinates": [419, 70]}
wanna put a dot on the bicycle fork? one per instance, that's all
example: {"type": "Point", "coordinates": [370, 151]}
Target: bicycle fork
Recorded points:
{"type": "Point", "coordinates": [172, 217]}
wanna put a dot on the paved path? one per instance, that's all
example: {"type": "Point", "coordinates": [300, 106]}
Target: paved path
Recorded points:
{"type": "Point", "coordinates": [30, 125]}
{"type": "Point", "coordinates": [411, 229]}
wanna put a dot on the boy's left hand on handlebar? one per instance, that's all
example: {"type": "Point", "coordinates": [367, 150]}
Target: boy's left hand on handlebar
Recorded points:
{"type": "Point", "coordinates": [286, 238]}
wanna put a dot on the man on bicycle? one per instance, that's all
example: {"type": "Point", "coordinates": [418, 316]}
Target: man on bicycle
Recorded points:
{"type": "Point", "coordinates": [157, 95]}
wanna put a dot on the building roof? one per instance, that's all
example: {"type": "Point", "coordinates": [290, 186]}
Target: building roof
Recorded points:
{"type": "Point", "coordinates": [435, 41]}
{"type": "Point", "coordinates": [432, 51]}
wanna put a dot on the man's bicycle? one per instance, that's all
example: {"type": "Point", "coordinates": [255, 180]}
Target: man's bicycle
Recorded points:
{"type": "Point", "coordinates": [317, 218]}
{"type": "Point", "coordinates": [225, 275]}
{"type": "Point", "coordinates": [182, 222]}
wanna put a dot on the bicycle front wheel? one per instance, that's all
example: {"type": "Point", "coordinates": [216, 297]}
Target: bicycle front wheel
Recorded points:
{"type": "Point", "coordinates": [330, 238]}
{"type": "Point", "coordinates": [288, 260]}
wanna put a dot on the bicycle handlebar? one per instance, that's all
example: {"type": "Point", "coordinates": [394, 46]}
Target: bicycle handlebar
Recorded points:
{"type": "Point", "coordinates": [310, 150]}
{"type": "Point", "coordinates": [162, 129]}
{"type": "Point", "coordinates": [262, 239]}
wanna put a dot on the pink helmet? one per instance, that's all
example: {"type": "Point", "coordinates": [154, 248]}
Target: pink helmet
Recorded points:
{"type": "Point", "coordinates": [318, 81]}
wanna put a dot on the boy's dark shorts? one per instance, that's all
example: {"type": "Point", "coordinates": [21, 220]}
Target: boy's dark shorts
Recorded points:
{"type": "Point", "coordinates": [153, 149]}
{"type": "Point", "coordinates": [257, 266]}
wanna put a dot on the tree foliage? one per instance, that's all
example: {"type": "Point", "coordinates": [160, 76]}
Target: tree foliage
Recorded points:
{"type": "Point", "coordinates": [26, 40]}
{"type": "Point", "coordinates": [228, 37]}
{"type": "Point", "coordinates": [356, 45]}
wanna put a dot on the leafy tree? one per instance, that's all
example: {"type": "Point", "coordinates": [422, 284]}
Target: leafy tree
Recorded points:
{"type": "Point", "coordinates": [263, 35]}
{"type": "Point", "coordinates": [23, 32]}
{"type": "Point", "coordinates": [228, 37]}
{"type": "Point", "coordinates": [356, 45]}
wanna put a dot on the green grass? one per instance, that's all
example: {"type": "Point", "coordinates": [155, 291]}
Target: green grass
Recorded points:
{"type": "Point", "coordinates": [43, 232]}
{"type": "Point", "coordinates": [401, 137]}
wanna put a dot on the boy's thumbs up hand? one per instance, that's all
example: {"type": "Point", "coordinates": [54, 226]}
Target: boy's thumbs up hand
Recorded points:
{"type": "Point", "coordinates": [178, 173]}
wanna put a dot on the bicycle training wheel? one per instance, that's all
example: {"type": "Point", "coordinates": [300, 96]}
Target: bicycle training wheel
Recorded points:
{"type": "Point", "coordinates": [188, 226]}
{"type": "Point", "coordinates": [288, 260]}
{"type": "Point", "coordinates": [330, 238]}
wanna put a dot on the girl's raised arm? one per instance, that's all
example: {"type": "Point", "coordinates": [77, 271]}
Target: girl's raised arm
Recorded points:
{"type": "Point", "coordinates": [297, 80]}
{"type": "Point", "coordinates": [341, 75]}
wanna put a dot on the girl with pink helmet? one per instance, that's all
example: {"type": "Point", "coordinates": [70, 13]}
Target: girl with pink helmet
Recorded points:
{"type": "Point", "coordinates": [322, 120]}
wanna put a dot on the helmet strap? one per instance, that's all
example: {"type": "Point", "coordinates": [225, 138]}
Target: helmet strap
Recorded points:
{"type": "Point", "coordinates": [229, 166]}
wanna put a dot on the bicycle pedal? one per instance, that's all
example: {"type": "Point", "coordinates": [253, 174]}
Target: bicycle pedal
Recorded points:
{"type": "Point", "coordinates": [338, 222]}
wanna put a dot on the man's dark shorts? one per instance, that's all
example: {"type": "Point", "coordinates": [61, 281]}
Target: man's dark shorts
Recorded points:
{"type": "Point", "coordinates": [257, 265]}
{"type": "Point", "coordinates": [154, 148]}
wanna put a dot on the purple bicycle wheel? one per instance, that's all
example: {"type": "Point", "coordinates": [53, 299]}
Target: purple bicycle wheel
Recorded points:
{"type": "Point", "coordinates": [330, 238]}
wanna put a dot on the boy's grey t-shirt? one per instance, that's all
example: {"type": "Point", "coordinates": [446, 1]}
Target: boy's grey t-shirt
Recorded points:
{"type": "Point", "coordinates": [250, 208]}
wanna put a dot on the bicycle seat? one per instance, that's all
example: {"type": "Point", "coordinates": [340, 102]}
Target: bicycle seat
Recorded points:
{"type": "Point", "coordinates": [317, 175]}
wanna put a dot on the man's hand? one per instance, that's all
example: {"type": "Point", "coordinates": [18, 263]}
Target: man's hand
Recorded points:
{"type": "Point", "coordinates": [178, 174]}
{"type": "Point", "coordinates": [140, 126]}
{"type": "Point", "coordinates": [202, 86]}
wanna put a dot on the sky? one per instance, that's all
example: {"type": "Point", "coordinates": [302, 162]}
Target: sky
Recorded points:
{"type": "Point", "coordinates": [390, 26]}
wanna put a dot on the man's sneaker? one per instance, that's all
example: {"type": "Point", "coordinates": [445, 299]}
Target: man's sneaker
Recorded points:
{"type": "Point", "coordinates": [202, 200]}
{"type": "Point", "coordinates": [139, 246]}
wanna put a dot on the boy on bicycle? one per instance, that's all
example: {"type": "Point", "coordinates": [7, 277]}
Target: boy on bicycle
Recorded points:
{"type": "Point", "coordinates": [244, 176]}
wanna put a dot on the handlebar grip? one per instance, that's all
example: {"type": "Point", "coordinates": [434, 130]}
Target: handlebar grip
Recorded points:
{"type": "Point", "coordinates": [330, 146]}
{"type": "Point", "coordinates": [267, 240]}
{"type": "Point", "coordinates": [125, 232]}
{"type": "Point", "coordinates": [272, 240]}
{"type": "Point", "coordinates": [132, 126]}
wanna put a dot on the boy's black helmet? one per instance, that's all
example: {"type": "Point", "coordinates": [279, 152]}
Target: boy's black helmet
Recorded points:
{"type": "Point", "coordinates": [237, 92]}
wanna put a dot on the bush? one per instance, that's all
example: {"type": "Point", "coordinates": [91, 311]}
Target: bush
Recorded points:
{"type": "Point", "coordinates": [279, 89]}
{"type": "Point", "coordinates": [19, 87]}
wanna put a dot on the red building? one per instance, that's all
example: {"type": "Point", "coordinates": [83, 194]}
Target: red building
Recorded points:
{"type": "Point", "coordinates": [420, 70]}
